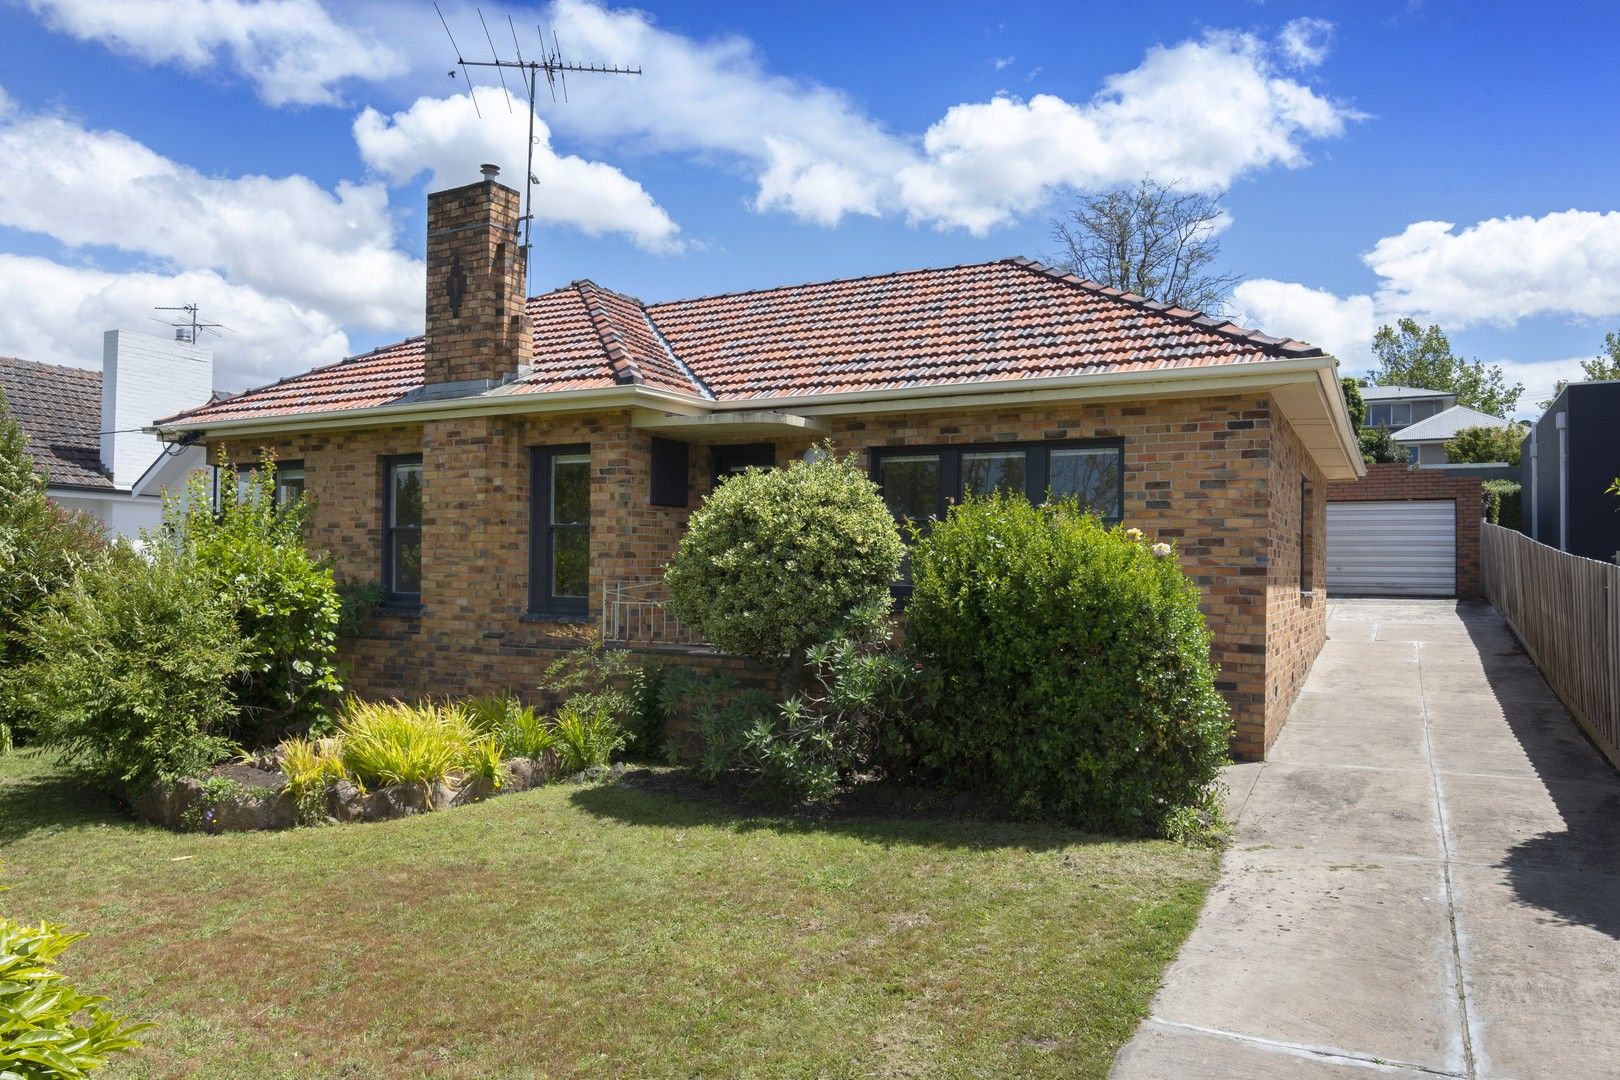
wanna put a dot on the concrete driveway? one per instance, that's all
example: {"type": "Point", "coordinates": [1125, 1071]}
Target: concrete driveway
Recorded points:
{"type": "Point", "coordinates": [1425, 878]}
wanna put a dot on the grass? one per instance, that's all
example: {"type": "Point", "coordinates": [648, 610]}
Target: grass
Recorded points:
{"type": "Point", "coordinates": [602, 931]}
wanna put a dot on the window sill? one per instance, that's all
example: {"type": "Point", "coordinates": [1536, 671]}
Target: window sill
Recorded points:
{"type": "Point", "coordinates": [579, 617]}
{"type": "Point", "coordinates": [398, 611]}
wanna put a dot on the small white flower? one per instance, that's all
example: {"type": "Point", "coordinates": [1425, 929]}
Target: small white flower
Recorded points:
{"type": "Point", "coordinates": [1161, 549]}
{"type": "Point", "coordinates": [1134, 534]}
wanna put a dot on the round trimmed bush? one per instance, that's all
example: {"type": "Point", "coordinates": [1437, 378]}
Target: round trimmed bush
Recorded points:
{"type": "Point", "coordinates": [1068, 664]}
{"type": "Point", "coordinates": [777, 560]}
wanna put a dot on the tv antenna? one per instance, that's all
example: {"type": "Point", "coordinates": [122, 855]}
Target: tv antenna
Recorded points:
{"type": "Point", "coordinates": [548, 64]}
{"type": "Point", "coordinates": [188, 329]}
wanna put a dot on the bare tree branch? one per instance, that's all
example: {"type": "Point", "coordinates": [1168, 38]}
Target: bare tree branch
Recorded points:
{"type": "Point", "coordinates": [1153, 239]}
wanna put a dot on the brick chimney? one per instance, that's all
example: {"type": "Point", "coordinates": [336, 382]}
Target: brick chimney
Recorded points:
{"type": "Point", "coordinates": [477, 329]}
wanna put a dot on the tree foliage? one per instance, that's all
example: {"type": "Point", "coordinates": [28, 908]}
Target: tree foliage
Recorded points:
{"type": "Point", "coordinates": [42, 547]}
{"type": "Point", "coordinates": [1353, 401]}
{"type": "Point", "coordinates": [1378, 446]}
{"type": "Point", "coordinates": [1484, 445]}
{"type": "Point", "coordinates": [778, 560]}
{"type": "Point", "coordinates": [1153, 239]}
{"type": "Point", "coordinates": [1601, 368]}
{"type": "Point", "coordinates": [1412, 355]}
{"type": "Point", "coordinates": [250, 550]}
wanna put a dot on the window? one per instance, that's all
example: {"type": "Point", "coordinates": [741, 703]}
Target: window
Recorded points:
{"type": "Point", "coordinates": [919, 484]}
{"type": "Point", "coordinates": [730, 460]}
{"type": "Point", "coordinates": [560, 532]}
{"type": "Point", "coordinates": [402, 530]}
{"type": "Point", "coordinates": [1307, 540]}
{"type": "Point", "coordinates": [289, 482]}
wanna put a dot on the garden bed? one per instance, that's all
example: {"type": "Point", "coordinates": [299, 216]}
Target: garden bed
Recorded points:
{"type": "Point", "coordinates": [243, 797]}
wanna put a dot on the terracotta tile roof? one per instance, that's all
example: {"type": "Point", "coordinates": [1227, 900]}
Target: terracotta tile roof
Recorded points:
{"type": "Point", "coordinates": [59, 409]}
{"type": "Point", "coordinates": [987, 322]}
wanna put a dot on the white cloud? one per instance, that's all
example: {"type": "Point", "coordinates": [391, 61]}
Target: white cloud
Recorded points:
{"type": "Point", "coordinates": [1343, 326]}
{"type": "Point", "coordinates": [1497, 272]}
{"type": "Point", "coordinates": [1502, 270]}
{"type": "Point", "coordinates": [56, 313]}
{"type": "Point", "coordinates": [1305, 42]}
{"type": "Point", "coordinates": [446, 137]}
{"type": "Point", "coordinates": [292, 51]}
{"type": "Point", "coordinates": [1202, 113]}
{"type": "Point", "coordinates": [1540, 378]}
{"type": "Point", "coordinates": [327, 251]}
{"type": "Point", "coordinates": [1003, 62]}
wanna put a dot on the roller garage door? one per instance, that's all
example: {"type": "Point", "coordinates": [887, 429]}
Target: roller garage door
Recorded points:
{"type": "Point", "coordinates": [1392, 548]}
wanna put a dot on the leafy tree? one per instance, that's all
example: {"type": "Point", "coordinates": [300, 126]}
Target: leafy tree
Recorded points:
{"type": "Point", "coordinates": [776, 561]}
{"type": "Point", "coordinates": [1354, 401]}
{"type": "Point", "coordinates": [1412, 355]}
{"type": "Point", "coordinates": [251, 551]}
{"type": "Point", "coordinates": [1153, 239]}
{"type": "Point", "coordinates": [1378, 446]}
{"type": "Point", "coordinates": [1601, 368]}
{"type": "Point", "coordinates": [42, 547]}
{"type": "Point", "coordinates": [1483, 445]}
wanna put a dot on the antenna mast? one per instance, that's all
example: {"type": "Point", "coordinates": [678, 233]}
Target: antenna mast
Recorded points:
{"type": "Point", "coordinates": [549, 63]}
{"type": "Point", "coordinates": [188, 329]}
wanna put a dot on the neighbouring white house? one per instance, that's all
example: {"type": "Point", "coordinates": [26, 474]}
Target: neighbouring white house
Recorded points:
{"type": "Point", "coordinates": [1422, 421]}
{"type": "Point", "coordinates": [86, 428]}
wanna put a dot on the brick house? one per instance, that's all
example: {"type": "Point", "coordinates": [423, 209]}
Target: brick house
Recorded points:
{"type": "Point", "coordinates": [528, 457]}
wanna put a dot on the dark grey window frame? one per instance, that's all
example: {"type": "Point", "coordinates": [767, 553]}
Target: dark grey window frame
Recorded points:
{"type": "Point", "coordinates": [1037, 470]}
{"type": "Point", "coordinates": [244, 471]}
{"type": "Point", "coordinates": [542, 537]}
{"type": "Point", "coordinates": [389, 530]}
{"type": "Point", "coordinates": [1307, 538]}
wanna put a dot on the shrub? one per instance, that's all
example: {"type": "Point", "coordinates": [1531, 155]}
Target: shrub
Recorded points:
{"type": "Point", "coordinates": [1378, 447]}
{"type": "Point", "coordinates": [390, 742]}
{"type": "Point", "coordinates": [42, 547]}
{"type": "Point", "coordinates": [356, 600]}
{"type": "Point", "coordinates": [816, 741]}
{"type": "Point", "coordinates": [286, 606]}
{"type": "Point", "coordinates": [1504, 503]}
{"type": "Point", "coordinates": [131, 668]}
{"type": "Point", "coordinates": [515, 726]}
{"type": "Point", "coordinates": [587, 735]}
{"type": "Point", "coordinates": [594, 677]}
{"type": "Point", "coordinates": [1485, 445]}
{"type": "Point", "coordinates": [1067, 663]}
{"type": "Point", "coordinates": [723, 713]}
{"type": "Point", "coordinates": [311, 766]}
{"type": "Point", "coordinates": [47, 1027]}
{"type": "Point", "coordinates": [776, 561]}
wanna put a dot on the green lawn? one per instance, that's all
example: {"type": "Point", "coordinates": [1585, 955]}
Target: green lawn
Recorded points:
{"type": "Point", "coordinates": [603, 931]}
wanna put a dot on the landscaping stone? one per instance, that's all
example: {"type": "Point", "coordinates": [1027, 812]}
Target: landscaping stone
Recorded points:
{"type": "Point", "coordinates": [345, 802]}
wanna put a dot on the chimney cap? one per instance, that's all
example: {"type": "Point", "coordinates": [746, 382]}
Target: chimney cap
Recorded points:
{"type": "Point", "coordinates": [490, 171]}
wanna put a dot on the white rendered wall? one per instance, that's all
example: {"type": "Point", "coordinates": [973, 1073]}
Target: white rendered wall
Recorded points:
{"type": "Point", "coordinates": [145, 378]}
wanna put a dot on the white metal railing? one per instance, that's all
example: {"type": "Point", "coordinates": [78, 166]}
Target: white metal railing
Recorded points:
{"type": "Point", "coordinates": [637, 612]}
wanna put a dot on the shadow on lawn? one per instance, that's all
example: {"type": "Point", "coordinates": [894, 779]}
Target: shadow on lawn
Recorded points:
{"type": "Point", "coordinates": [887, 817]}
{"type": "Point", "coordinates": [40, 796]}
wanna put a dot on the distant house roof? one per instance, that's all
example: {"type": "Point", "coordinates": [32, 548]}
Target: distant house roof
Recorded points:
{"type": "Point", "coordinates": [981, 323]}
{"type": "Point", "coordinates": [59, 409]}
{"type": "Point", "coordinates": [1400, 393]}
{"type": "Point", "coordinates": [1444, 425]}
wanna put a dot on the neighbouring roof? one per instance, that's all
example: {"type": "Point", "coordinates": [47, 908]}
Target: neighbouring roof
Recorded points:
{"type": "Point", "coordinates": [59, 409]}
{"type": "Point", "coordinates": [981, 323]}
{"type": "Point", "coordinates": [1371, 394]}
{"type": "Point", "coordinates": [1444, 425]}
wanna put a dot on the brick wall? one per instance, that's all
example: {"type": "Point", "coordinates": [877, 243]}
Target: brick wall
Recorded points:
{"type": "Point", "coordinates": [1399, 482]}
{"type": "Point", "coordinates": [1296, 603]}
{"type": "Point", "coordinates": [1205, 473]}
{"type": "Point", "coordinates": [480, 332]}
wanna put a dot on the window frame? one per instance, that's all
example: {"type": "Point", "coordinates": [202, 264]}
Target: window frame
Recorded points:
{"type": "Point", "coordinates": [542, 534]}
{"type": "Point", "coordinates": [1307, 538]}
{"type": "Point", "coordinates": [391, 598]}
{"type": "Point", "coordinates": [1037, 466]}
{"type": "Point", "coordinates": [243, 472]}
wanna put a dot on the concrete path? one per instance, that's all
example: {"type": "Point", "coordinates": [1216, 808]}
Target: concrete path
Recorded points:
{"type": "Point", "coordinates": [1425, 878]}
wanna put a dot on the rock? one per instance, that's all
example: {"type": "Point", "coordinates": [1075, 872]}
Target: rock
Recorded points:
{"type": "Point", "coordinates": [521, 773]}
{"type": "Point", "coordinates": [345, 802]}
{"type": "Point", "coordinates": [239, 812]}
{"type": "Point", "coordinates": [397, 800]}
{"type": "Point", "coordinates": [443, 795]}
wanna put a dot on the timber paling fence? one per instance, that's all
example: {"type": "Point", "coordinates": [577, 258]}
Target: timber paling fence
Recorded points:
{"type": "Point", "coordinates": [1566, 611]}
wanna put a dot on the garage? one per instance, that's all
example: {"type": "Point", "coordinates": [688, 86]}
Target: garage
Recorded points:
{"type": "Point", "coordinates": [1393, 548]}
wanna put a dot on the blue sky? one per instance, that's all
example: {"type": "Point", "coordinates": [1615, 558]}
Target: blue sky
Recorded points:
{"type": "Point", "coordinates": [1452, 161]}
